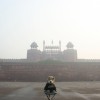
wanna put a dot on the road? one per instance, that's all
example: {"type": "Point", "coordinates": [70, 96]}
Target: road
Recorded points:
{"type": "Point", "coordinates": [35, 92]}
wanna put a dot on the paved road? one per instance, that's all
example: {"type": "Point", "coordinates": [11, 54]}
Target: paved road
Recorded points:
{"type": "Point", "coordinates": [35, 92]}
{"type": "Point", "coordinates": [26, 93]}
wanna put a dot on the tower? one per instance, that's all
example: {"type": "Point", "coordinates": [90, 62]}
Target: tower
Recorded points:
{"type": "Point", "coordinates": [70, 55]}
{"type": "Point", "coordinates": [34, 54]}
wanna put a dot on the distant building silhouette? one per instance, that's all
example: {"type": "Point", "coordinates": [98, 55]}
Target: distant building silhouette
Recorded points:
{"type": "Point", "coordinates": [52, 52]}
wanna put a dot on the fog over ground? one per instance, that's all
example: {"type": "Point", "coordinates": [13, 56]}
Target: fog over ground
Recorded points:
{"type": "Point", "coordinates": [25, 21]}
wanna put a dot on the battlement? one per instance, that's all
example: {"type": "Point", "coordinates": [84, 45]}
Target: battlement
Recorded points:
{"type": "Point", "coordinates": [88, 60]}
{"type": "Point", "coordinates": [13, 60]}
{"type": "Point", "coordinates": [51, 47]}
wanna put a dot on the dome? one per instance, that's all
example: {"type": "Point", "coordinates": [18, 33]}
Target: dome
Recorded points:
{"type": "Point", "coordinates": [70, 45]}
{"type": "Point", "coordinates": [34, 45]}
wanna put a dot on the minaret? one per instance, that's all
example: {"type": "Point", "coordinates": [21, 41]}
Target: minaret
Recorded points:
{"type": "Point", "coordinates": [43, 45]}
{"type": "Point", "coordinates": [59, 45]}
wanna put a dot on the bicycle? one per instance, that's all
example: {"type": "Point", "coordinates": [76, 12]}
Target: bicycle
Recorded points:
{"type": "Point", "coordinates": [50, 95]}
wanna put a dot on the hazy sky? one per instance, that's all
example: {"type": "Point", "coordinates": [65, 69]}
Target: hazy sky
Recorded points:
{"type": "Point", "coordinates": [25, 21]}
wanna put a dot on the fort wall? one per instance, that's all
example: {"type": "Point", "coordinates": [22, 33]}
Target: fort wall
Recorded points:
{"type": "Point", "coordinates": [63, 71]}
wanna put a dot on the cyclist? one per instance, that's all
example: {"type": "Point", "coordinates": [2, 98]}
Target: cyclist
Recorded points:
{"type": "Point", "coordinates": [50, 86]}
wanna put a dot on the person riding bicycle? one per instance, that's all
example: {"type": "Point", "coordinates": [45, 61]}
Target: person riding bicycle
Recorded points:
{"type": "Point", "coordinates": [50, 86]}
